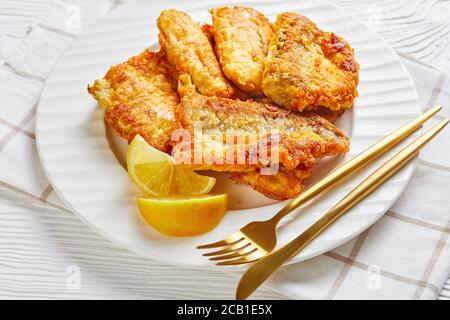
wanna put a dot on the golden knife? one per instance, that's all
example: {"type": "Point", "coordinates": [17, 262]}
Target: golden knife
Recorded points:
{"type": "Point", "coordinates": [261, 270]}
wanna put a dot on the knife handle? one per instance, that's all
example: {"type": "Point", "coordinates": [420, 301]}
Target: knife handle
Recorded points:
{"type": "Point", "coordinates": [261, 270]}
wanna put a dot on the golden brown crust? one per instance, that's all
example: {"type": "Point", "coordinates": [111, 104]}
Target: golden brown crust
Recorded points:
{"type": "Point", "coordinates": [207, 30]}
{"type": "Point", "coordinates": [241, 38]}
{"type": "Point", "coordinates": [307, 67]}
{"type": "Point", "coordinates": [139, 97]}
{"type": "Point", "coordinates": [303, 139]}
{"type": "Point", "coordinates": [281, 186]}
{"type": "Point", "coordinates": [330, 115]}
{"type": "Point", "coordinates": [189, 50]}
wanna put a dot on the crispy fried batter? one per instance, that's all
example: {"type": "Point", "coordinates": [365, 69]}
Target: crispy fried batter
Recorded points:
{"type": "Point", "coordinates": [281, 186]}
{"type": "Point", "coordinates": [307, 67]}
{"type": "Point", "coordinates": [241, 38]}
{"type": "Point", "coordinates": [189, 50]}
{"type": "Point", "coordinates": [207, 30]}
{"type": "Point", "coordinates": [302, 139]}
{"type": "Point", "coordinates": [139, 97]}
{"type": "Point", "coordinates": [330, 115]}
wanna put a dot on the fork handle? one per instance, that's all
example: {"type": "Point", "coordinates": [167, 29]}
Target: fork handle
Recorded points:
{"type": "Point", "coordinates": [387, 170]}
{"type": "Point", "coordinates": [267, 265]}
{"type": "Point", "coordinates": [362, 159]}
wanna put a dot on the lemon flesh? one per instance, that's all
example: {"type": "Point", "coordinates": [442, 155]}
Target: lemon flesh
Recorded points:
{"type": "Point", "coordinates": [155, 173]}
{"type": "Point", "coordinates": [183, 215]}
{"type": "Point", "coordinates": [185, 182]}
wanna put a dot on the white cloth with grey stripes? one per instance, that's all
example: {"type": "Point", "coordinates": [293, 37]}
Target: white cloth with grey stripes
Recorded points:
{"type": "Point", "coordinates": [406, 255]}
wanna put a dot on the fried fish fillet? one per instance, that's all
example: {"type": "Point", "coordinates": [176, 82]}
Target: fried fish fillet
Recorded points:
{"type": "Point", "coordinates": [307, 67]}
{"type": "Point", "coordinates": [190, 51]}
{"type": "Point", "coordinates": [302, 139]}
{"type": "Point", "coordinates": [139, 97]}
{"type": "Point", "coordinates": [281, 186]}
{"type": "Point", "coordinates": [241, 37]}
{"type": "Point", "coordinates": [330, 115]}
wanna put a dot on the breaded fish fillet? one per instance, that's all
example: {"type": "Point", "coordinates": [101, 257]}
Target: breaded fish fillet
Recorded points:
{"type": "Point", "coordinates": [281, 186]}
{"type": "Point", "coordinates": [139, 97]}
{"type": "Point", "coordinates": [302, 139]}
{"type": "Point", "coordinates": [241, 38]}
{"type": "Point", "coordinates": [190, 51]}
{"type": "Point", "coordinates": [307, 67]}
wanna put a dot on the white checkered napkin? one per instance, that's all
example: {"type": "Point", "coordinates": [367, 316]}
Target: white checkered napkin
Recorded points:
{"type": "Point", "coordinates": [39, 238]}
{"type": "Point", "coordinates": [25, 64]}
{"type": "Point", "coordinates": [405, 255]}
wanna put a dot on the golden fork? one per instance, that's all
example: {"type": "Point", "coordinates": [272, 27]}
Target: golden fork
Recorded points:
{"type": "Point", "coordinates": [261, 270]}
{"type": "Point", "coordinates": [258, 238]}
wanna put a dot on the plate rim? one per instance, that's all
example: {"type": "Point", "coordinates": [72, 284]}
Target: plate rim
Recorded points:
{"type": "Point", "coordinates": [409, 173]}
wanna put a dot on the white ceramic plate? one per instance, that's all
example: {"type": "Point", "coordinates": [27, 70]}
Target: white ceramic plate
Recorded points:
{"type": "Point", "coordinates": [75, 150]}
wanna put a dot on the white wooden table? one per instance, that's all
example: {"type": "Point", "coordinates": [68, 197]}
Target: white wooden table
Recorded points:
{"type": "Point", "coordinates": [44, 249]}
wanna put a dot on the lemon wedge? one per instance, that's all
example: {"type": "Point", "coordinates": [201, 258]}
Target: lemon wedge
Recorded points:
{"type": "Point", "coordinates": [186, 182]}
{"type": "Point", "coordinates": [183, 216]}
{"type": "Point", "coordinates": [156, 174]}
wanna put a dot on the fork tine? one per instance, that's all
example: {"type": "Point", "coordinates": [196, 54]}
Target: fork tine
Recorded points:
{"type": "Point", "coordinates": [246, 259]}
{"type": "Point", "coordinates": [220, 243]}
{"type": "Point", "coordinates": [235, 247]}
{"type": "Point", "coordinates": [231, 240]}
{"type": "Point", "coordinates": [237, 254]}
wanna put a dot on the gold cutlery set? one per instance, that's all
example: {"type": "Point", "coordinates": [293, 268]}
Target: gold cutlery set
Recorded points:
{"type": "Point", "coordinates": [256, 241]}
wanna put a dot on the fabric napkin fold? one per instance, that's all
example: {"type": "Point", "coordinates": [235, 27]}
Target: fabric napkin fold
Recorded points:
{"type": "Point", "coordinates": [405, 255]}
